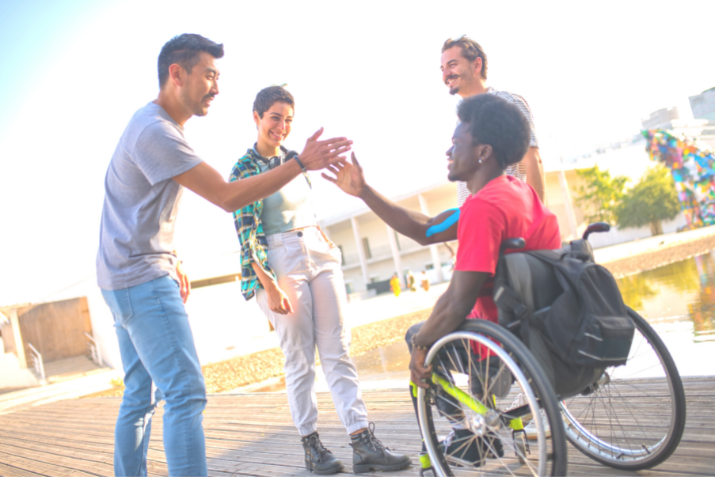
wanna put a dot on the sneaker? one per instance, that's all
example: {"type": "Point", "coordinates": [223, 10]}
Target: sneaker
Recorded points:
{"type": "Point", "coordinates": [369, 453]}
{"type": "Point", "coordinates": [520, 401]}
{"type": "Point", "coordinates": [318, 459]}
{"type": "Point", "coordinates": [531, 431]}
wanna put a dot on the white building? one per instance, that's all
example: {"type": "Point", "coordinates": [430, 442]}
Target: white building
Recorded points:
{"type": "Point", "coordinates": [373, 252]}
{"type": "Point", "coordinates": [703, 105]}
{"type": "Point", "coordinates": [661, 119]}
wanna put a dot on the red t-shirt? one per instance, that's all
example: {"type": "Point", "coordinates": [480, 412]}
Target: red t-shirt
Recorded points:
{"type": "Point", "coordinates": [505, 208]}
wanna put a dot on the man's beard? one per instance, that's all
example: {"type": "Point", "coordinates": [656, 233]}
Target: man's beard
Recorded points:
{"type": "Point", "coordinates": [454, 89]}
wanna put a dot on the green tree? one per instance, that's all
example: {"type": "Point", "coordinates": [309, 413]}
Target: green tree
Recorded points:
{"type": "Point", "coordinates": [600, 195]}
{"type": "Point", "coordinates": [649, 202]}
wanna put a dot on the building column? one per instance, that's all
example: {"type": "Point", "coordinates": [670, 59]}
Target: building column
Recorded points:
{"type": "Point", "coordinates": [361, 251]}
{"type": "Point", "coordinates": [395, 253]}
{"type": "Point", "coordinates": [570, 214]}
{"type": "Point", "coordinates": [19, 343]}
{"type": "Point", "coordinates": [434, 252]}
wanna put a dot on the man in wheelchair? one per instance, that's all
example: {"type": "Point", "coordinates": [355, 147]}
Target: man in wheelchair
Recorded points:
{"type": "Point", "coordinates": [492, 135]}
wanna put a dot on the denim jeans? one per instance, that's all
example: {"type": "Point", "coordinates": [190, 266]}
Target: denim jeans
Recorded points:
{"type": "Point", "coordinates": [160, 361]}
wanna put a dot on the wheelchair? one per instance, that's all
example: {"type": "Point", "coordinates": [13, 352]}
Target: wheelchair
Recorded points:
{"type": "Point", "coordinates": [487, 383]}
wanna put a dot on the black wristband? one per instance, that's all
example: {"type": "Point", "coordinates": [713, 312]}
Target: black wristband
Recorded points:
{"type": "Point", "coordinates": [300, 163]}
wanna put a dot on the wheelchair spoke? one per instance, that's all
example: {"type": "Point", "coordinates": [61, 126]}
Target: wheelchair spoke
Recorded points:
{"type": "Point", "coordinates": [476, 438]}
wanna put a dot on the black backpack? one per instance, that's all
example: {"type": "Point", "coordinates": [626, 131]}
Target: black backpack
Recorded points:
{"type": "Point", "coordinates": [574, 303]}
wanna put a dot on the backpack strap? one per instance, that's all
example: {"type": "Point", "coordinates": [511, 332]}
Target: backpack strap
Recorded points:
{"type": "Point", "coordinates": [507, 299]}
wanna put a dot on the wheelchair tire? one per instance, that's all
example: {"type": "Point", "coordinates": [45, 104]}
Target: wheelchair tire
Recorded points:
{"type": "Point", "coordinates": [544, 456]}
{"type": "Point", "coordinates": [633, 419]}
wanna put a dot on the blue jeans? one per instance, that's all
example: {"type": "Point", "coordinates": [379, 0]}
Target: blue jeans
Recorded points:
{"type": "Point", "coordinates": [157, 347]}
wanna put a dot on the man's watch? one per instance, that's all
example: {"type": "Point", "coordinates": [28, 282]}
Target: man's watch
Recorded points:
{"type": "Point", "coordinates": [413, 340]}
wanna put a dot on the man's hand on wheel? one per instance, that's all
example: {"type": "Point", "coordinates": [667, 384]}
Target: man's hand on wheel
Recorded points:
{"type": "Point", "coordinates": [319, 154]}
{"type": "Point", "coordinates": [420, 374]}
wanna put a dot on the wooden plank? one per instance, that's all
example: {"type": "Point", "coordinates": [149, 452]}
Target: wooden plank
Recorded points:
{"type": "Point", "coordinates": [11, 471]}
{"type": "Point", "coordinates": [41, 467]}
{"type": "Point", "coordinates": [252, 434]}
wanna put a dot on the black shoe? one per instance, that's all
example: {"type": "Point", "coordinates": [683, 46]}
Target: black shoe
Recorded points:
{"type": "Point", "coordinates": [463, 447]}
{"type": "Point", "coordinates": [318, 459]}
{"type": "Point", "coordinates": [369, 453]}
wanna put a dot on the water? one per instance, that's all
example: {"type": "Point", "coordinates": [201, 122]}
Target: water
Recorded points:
{"type": "Point", "coordinates": [678, 300]}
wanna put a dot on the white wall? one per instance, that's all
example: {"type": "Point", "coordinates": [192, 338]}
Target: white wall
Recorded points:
{"type": "Point", "coordinates": [223, 323]}
{"type": "Point", "coordinates": [220, 318]}
{"type": "Point", "coordinates": [616, 236]}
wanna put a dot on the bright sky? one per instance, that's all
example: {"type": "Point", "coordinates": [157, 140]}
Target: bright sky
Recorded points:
{"type": "Point", "coordinates": [75, 71]}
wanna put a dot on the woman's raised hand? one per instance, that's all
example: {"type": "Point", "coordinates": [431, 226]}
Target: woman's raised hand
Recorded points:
{"type": "Point", "coordinates": [319, 154]}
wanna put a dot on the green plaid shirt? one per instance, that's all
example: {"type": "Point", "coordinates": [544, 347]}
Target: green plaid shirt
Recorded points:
{"type": "Point", "coordinates": [250, 228]}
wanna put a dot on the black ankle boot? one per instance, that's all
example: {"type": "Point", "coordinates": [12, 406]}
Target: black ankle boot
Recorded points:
{"type": "Point", "coordinates": [369, 453]}
{"type": "Point", "coordinates": [318, 459]}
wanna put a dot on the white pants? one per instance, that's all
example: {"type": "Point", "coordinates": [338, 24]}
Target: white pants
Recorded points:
{"type": "Point", "coordinates": [308, 271]}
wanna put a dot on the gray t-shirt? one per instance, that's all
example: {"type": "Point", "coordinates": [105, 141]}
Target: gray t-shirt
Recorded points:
{"type": "Point", "coordinates": [136, 237]}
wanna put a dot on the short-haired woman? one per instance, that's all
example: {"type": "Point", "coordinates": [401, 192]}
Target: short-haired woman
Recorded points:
{"type": "Point", "coordinates": [294, 272]}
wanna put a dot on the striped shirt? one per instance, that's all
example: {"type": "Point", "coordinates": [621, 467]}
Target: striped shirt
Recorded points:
{"type": "Point", "coordinates": [517, 170]}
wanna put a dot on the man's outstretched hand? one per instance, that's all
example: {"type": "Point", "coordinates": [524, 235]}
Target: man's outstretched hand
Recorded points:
{"type": "Point", "coordinates": [319, 154]}
{"type": "Point", "coordinates": [348, 176]}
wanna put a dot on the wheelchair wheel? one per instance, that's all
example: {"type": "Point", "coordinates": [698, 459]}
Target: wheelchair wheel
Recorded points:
{"type": "Point", "coordinates": [470, 401]}
{"type": "Point", "coordinates": [634, 417]}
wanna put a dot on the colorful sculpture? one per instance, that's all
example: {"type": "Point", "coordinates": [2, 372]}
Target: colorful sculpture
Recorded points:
{"type": "Point", "coordinates": [693, 170]}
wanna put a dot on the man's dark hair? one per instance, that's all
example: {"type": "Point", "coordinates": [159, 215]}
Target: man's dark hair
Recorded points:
{"type": "Point", "coordinates": [471, 50]}
{"type": "Point", "coordinates": [498, 123]}
{"type": "Point", "coordinates": [184, 50]}
{"type": "Point", "coordinates": [267, 96]}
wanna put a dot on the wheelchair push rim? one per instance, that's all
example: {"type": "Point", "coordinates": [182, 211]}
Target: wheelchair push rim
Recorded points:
{"type": "Point", "coordinates": [630, 439]}
{"type": "Point", "coordinates": [537, 460]}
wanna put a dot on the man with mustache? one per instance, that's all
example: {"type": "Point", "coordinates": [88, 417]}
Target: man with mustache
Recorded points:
{"type": "Point", "coordinates": [137, 269]}
{"type": "Point", "coordinates": [464, 71]}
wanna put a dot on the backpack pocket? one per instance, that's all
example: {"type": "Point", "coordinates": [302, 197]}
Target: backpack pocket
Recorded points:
{"type": "Point", "coordinates": [603, 341]}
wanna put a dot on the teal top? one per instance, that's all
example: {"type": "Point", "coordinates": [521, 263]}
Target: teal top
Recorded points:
{"type": "Point", "coordinates": [289, 208]}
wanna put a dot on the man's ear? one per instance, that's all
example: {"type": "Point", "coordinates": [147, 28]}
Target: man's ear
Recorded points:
{"type": "Point", "coordinates": [177, 74]}
{"type": "Point", "coordinates": [256, 118]}
{"type": "Point", "coordinates": [484, 152]}
{"type": "Point", "coordinates": [478, 67]}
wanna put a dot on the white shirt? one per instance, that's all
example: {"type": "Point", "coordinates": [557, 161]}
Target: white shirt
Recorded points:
{"type": "Point", "coordinates": [517, 170]}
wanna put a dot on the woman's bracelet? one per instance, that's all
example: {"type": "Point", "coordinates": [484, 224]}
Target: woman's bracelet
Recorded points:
{"type": "Point", "coordinates": [300, 163]}
{"type": "Point", "coordinates": [413, 340]}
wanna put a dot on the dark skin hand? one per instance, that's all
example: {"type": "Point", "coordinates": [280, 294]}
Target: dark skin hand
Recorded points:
{"type": "Point", "coordinates": [350, 178]}
{"type": "Point", "coordinates": [448, 314]}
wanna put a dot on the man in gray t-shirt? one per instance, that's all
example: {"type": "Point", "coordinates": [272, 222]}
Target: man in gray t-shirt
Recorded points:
{"type": "Point", "coordinates": [136, 265]}
{"type": "Point", "coordinates": [141, 201]}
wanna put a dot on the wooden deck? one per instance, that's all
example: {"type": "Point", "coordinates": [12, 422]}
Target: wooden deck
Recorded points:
{"type": "Point", "coordinates": [252, 434]}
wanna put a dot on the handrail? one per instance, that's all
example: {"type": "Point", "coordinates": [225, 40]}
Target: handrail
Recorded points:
{"type": "Point", "coordinates": [37, 362]}
{"type": "Point", "coordinates": [94, 350]}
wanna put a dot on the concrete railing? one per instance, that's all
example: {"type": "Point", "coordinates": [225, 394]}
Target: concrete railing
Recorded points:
{"type": "Point", "coordinates": [93, 349]}
{"type": "Point", "coordinates": [37, 362]}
